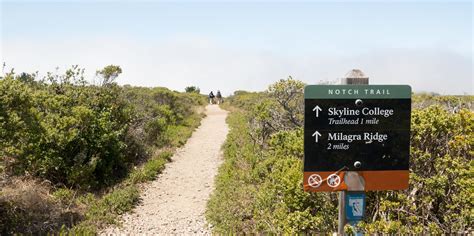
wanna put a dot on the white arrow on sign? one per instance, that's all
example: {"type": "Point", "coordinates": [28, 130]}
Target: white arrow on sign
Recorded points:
{"type": "Point", "coordinates": [317, 109]}
{"type": "Point", "coordinates": [316, 134]}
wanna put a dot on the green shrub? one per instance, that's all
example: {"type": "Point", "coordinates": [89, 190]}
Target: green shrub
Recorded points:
{"type": "Point", "coordinates": [82, 135]}
{"type": "Point", "coordinates": [84, 138]}
{"type": "Point", "coordinates": [117, 202]}
{"type": "Point", "coordinates": [192, 89]}
{"type": "Point", "coordinates": [150, 169]}
{"type": "Point", "coordinates": [259, 186]}
{"type": "Point", "coordinates": [64, 195]}
{"type": "Point", "coordinates": [51, 133]}
{"type": "Point", "coordinates": [439, 199]}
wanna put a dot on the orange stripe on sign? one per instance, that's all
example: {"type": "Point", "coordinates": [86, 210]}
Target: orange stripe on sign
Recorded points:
{"type": "Point", "coordinates": [385, 180]}
{"type": "Point", "coordinates": [320, 181]}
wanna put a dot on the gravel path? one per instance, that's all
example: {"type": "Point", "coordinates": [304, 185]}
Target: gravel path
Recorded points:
{"type": "Point", "coordinates": [175, 203]}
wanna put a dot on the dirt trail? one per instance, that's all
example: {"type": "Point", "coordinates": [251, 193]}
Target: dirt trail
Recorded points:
{"type": "Point", "coordinates": [175, 203]}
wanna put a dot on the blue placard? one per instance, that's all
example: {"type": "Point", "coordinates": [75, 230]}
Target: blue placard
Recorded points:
{"type": "Point", "coordinates": [355, 206]}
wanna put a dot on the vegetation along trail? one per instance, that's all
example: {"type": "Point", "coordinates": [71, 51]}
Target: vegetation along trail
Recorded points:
{"type": "Point", "coordinates": [175, 203]}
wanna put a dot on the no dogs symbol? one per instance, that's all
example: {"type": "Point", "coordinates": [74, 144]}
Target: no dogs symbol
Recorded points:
{"type": "Point", "coordinates": [315, 180]}
{"type": "Point", "coordinates": [334, 180]}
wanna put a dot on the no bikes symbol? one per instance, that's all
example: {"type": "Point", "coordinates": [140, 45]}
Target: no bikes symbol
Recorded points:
{"type": "Point", "coordinates": [315, 180]}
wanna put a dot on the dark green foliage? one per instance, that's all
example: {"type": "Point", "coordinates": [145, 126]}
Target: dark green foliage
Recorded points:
{"type": "Point", "coordinates": [109, 73]}
{"type": "Point", "coordinates": [160, 113]}
{"type": "Point", "coordinates": [65, 132]}
{"type": "Point", "coordinates": [259, 187]}
{"type": "Point", "coordinates": [192, 89]}
{"type": "Point", "coordinates": [83, 138]}
{"type": "Point", "coordinates": [82, 135]}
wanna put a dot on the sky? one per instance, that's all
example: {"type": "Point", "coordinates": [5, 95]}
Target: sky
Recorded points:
{"type": "Point", "coordinates": [245, 45]}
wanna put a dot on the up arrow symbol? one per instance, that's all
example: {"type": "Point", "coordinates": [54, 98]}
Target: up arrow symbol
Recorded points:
{"type": "Point", "coordinates": [317, 109]}
{"type": "Point", "coordinates": [316, 135]}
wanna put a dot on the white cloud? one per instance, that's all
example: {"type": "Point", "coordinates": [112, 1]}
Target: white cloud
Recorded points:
{"type": "Point", "coordinates": [188, 60]}
{"type": "Point", "coordinates": [431, 70]}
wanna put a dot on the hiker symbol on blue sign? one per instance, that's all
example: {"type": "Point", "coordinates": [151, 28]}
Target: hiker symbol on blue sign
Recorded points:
{"type": "Point", "coordinates": [355, 203]}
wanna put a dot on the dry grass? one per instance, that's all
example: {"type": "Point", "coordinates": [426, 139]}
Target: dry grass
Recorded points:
{"type": "Point", "coordinates": [200, 110]}
{"type": "Point", "coordinates": [27, 206]}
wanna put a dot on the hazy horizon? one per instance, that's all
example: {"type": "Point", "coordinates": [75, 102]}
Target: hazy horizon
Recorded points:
{"type": "Point", "coordinates": [245, 45]}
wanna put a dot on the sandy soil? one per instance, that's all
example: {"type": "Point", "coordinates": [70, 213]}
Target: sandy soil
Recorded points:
{"type": "Point", "coordinates": [175, 203]}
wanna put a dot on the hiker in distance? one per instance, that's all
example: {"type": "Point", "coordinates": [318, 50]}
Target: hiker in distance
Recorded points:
{"type": "Point", "coordinates": [211, 98]}
{"type": "Point", "coordinates": [219, 97]}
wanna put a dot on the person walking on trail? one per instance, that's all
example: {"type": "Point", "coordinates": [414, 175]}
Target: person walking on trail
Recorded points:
{"type": "Point", "coordinates": [211, 97]}
{"type": "Point", "coordinates": [219, 97]}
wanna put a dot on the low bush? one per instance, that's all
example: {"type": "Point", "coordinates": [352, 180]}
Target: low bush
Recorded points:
{"type": "Point", "coordinates": [259, 186]}
{"type": "Point", "coordinates": [84, 138]}
{"type": "Point", "coordinates": [150, 169]}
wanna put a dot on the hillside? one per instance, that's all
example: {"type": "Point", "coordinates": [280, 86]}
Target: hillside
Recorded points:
{"type": "Point", "coordinates": [92, 158]}
{"type": "Point", "coordinates": [259, 186]}
{"type": "Point", "coordinates": [73, 153]}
